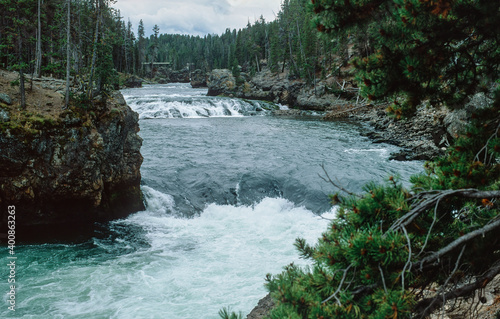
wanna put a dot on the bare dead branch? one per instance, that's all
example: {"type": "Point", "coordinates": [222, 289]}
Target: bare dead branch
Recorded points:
{"type": "Point", "coordinates": [426, 306]}
{"type": "Point", "coordinates": [383, 278]}
{"type": "Point", "coordinates": [334, 295]}
{"type": "Point", "coordinates": [429, 199]}
{"type": "Point", "coordinates": [460, 241]}
{"type": "Point", "coordinates": [336, 184]}
{"type": "Point", "coordinates": [434, 219]}
{"type": "Point", "coordinates": [408, 262]}
{"type": "Point", "coordinates": [485, 148]}
{"type": "Point", "coordinates": [444, 286]}
{"type": "Point", "coordinates": [350, 110]}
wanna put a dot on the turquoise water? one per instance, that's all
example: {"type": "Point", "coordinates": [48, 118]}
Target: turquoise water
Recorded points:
{"type": "Point", "coordinates": [228, 188]}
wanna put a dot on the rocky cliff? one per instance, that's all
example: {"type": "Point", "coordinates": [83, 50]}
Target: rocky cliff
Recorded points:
{"type": "Point", "coordinates": [70, 168]}
{"type": "Point", "coordinates": [279, 88]}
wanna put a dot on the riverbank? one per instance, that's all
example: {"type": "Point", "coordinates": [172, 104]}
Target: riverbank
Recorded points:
{"type": "Point", "coordinates": [422, 137]}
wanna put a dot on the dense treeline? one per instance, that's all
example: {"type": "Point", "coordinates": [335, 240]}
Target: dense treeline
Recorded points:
{"type": "Point", "coordinates": [291, 41]}
{"type": "Point", "coordinates": [33, 35]}
{"type": "Point", "coordinates": [91, 40]}
{"type": "Point", "coordinates": [85, 39]}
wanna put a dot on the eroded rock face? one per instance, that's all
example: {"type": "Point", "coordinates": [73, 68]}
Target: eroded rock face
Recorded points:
{"type": "Point", "coordinates": [80, 168]}
{"type": "Point", "coordinates": [421, 137]}
{"type": "Point", "coordinates": [268, 86]}
{"type": "Point", "coordinates": [198, 79]}
{"type": "Point", "coordinates": [221, 81]}
{"type": "Point", "coordinates": [133, 82]}
{"type": "Point", "coordinates": [262, 309]}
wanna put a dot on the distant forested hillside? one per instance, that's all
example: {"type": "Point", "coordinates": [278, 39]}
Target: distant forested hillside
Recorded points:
{"type": "Point", "coordinates": [291, 40]}
{"type": "Point", "coordinates": [40, 37]}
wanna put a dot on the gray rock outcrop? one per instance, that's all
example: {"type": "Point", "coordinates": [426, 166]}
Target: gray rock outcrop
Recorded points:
{"type": "Point", "coordinates": [133, 82]}
{"type": "Point", "coordinates": [81, 167]}
{"type": "Point", "coordinates": [198, 79]}
{"type": "Point", "coordinates": [5, 98]}
{"type": "Point", "coordinates": [221, 81]}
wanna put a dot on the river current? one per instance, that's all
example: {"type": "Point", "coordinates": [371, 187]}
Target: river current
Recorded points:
{"type": "Point", "coordinates": [227, 187]}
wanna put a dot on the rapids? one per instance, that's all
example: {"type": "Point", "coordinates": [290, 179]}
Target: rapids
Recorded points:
{"type": "Point", "coordinates": [228, 188]}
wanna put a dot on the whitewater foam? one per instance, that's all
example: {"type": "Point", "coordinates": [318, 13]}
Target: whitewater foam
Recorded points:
{"type": "Point", "coordinates": [157, 264]}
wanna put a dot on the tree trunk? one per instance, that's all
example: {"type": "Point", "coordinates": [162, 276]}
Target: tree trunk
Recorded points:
{"type": "Point", "coordinates": [78, 62]}
{"type": "Point", "coordinates": [94, 52]}
{"type": "Point", "coordinates": [38, 63]}
{"type": "Point", "coordinates": [68, 56]}
{"type": "Point", "coordinates": [22, 90]}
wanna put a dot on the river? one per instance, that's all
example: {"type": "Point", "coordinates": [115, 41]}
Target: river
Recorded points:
{"type": "Point", "coordinates": [228, 188]}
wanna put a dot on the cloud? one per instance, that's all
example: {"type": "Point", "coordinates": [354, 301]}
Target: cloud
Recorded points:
{"type": "Point", "coordinates": [196, 17]}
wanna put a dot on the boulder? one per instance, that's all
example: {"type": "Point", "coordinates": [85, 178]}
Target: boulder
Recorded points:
{"type": "Point", "coordinates": [178, 76]}
{"type": "Point", "coordinates": [4, 116]}
{"type": "Point", "coordinates": [262, 309]}
{"type": "Point", "coordinates": [5, 98]}
{"type": "Point", "coordinates": [133, 82]}
{"type": "Point", "coordinates": [221, 81]}
{"type": "Point", "coordinates": [198, 79]}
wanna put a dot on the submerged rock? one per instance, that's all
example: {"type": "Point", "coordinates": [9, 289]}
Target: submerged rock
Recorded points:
{"type": "Point", "coordinates": [81, 167]}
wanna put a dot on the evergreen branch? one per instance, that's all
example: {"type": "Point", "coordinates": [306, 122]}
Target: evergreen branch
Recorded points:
{"type": "Point", "coordinates": [363, 291]}
{"type": "Point", "coordinates": [306, 251]}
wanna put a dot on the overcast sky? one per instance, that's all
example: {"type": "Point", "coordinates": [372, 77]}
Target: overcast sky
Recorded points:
{"type": "Point", "coordinates": [196, 17]}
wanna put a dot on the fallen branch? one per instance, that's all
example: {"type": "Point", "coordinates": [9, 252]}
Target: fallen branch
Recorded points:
{"type": "Point", "coordinates": [350, 110]}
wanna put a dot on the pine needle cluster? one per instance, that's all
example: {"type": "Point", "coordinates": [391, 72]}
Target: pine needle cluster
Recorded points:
{"type": "Point", "coordinates": [394, 252]}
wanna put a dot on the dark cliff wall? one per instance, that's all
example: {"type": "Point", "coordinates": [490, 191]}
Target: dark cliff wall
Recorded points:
{"type": "Point", "coordinates": [81, 167]}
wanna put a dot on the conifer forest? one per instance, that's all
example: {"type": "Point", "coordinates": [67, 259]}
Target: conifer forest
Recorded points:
{"type": "Point", "coordinates": [392, 251]}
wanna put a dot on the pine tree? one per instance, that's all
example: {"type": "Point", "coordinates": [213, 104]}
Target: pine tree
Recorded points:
{"type": "Point", "coordinates": [390, 244]}
{"type": "Point", "coordinates": [141, 45]}
{"type": "Point", "coordinates": [68, 54]}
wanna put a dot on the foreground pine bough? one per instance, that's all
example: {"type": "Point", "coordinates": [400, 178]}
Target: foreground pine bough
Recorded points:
{"type": "Point", "coordinates": [363, 266]}
{"type": "Point", "coordinates": [405, 253]}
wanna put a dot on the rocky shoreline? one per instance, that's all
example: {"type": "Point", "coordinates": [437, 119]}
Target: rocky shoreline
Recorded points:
{"type": "Point", "coordinates": [422, 137]}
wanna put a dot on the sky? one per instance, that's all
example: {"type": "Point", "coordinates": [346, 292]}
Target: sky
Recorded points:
{"type": "Point", "coordinates": [196, 17]}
